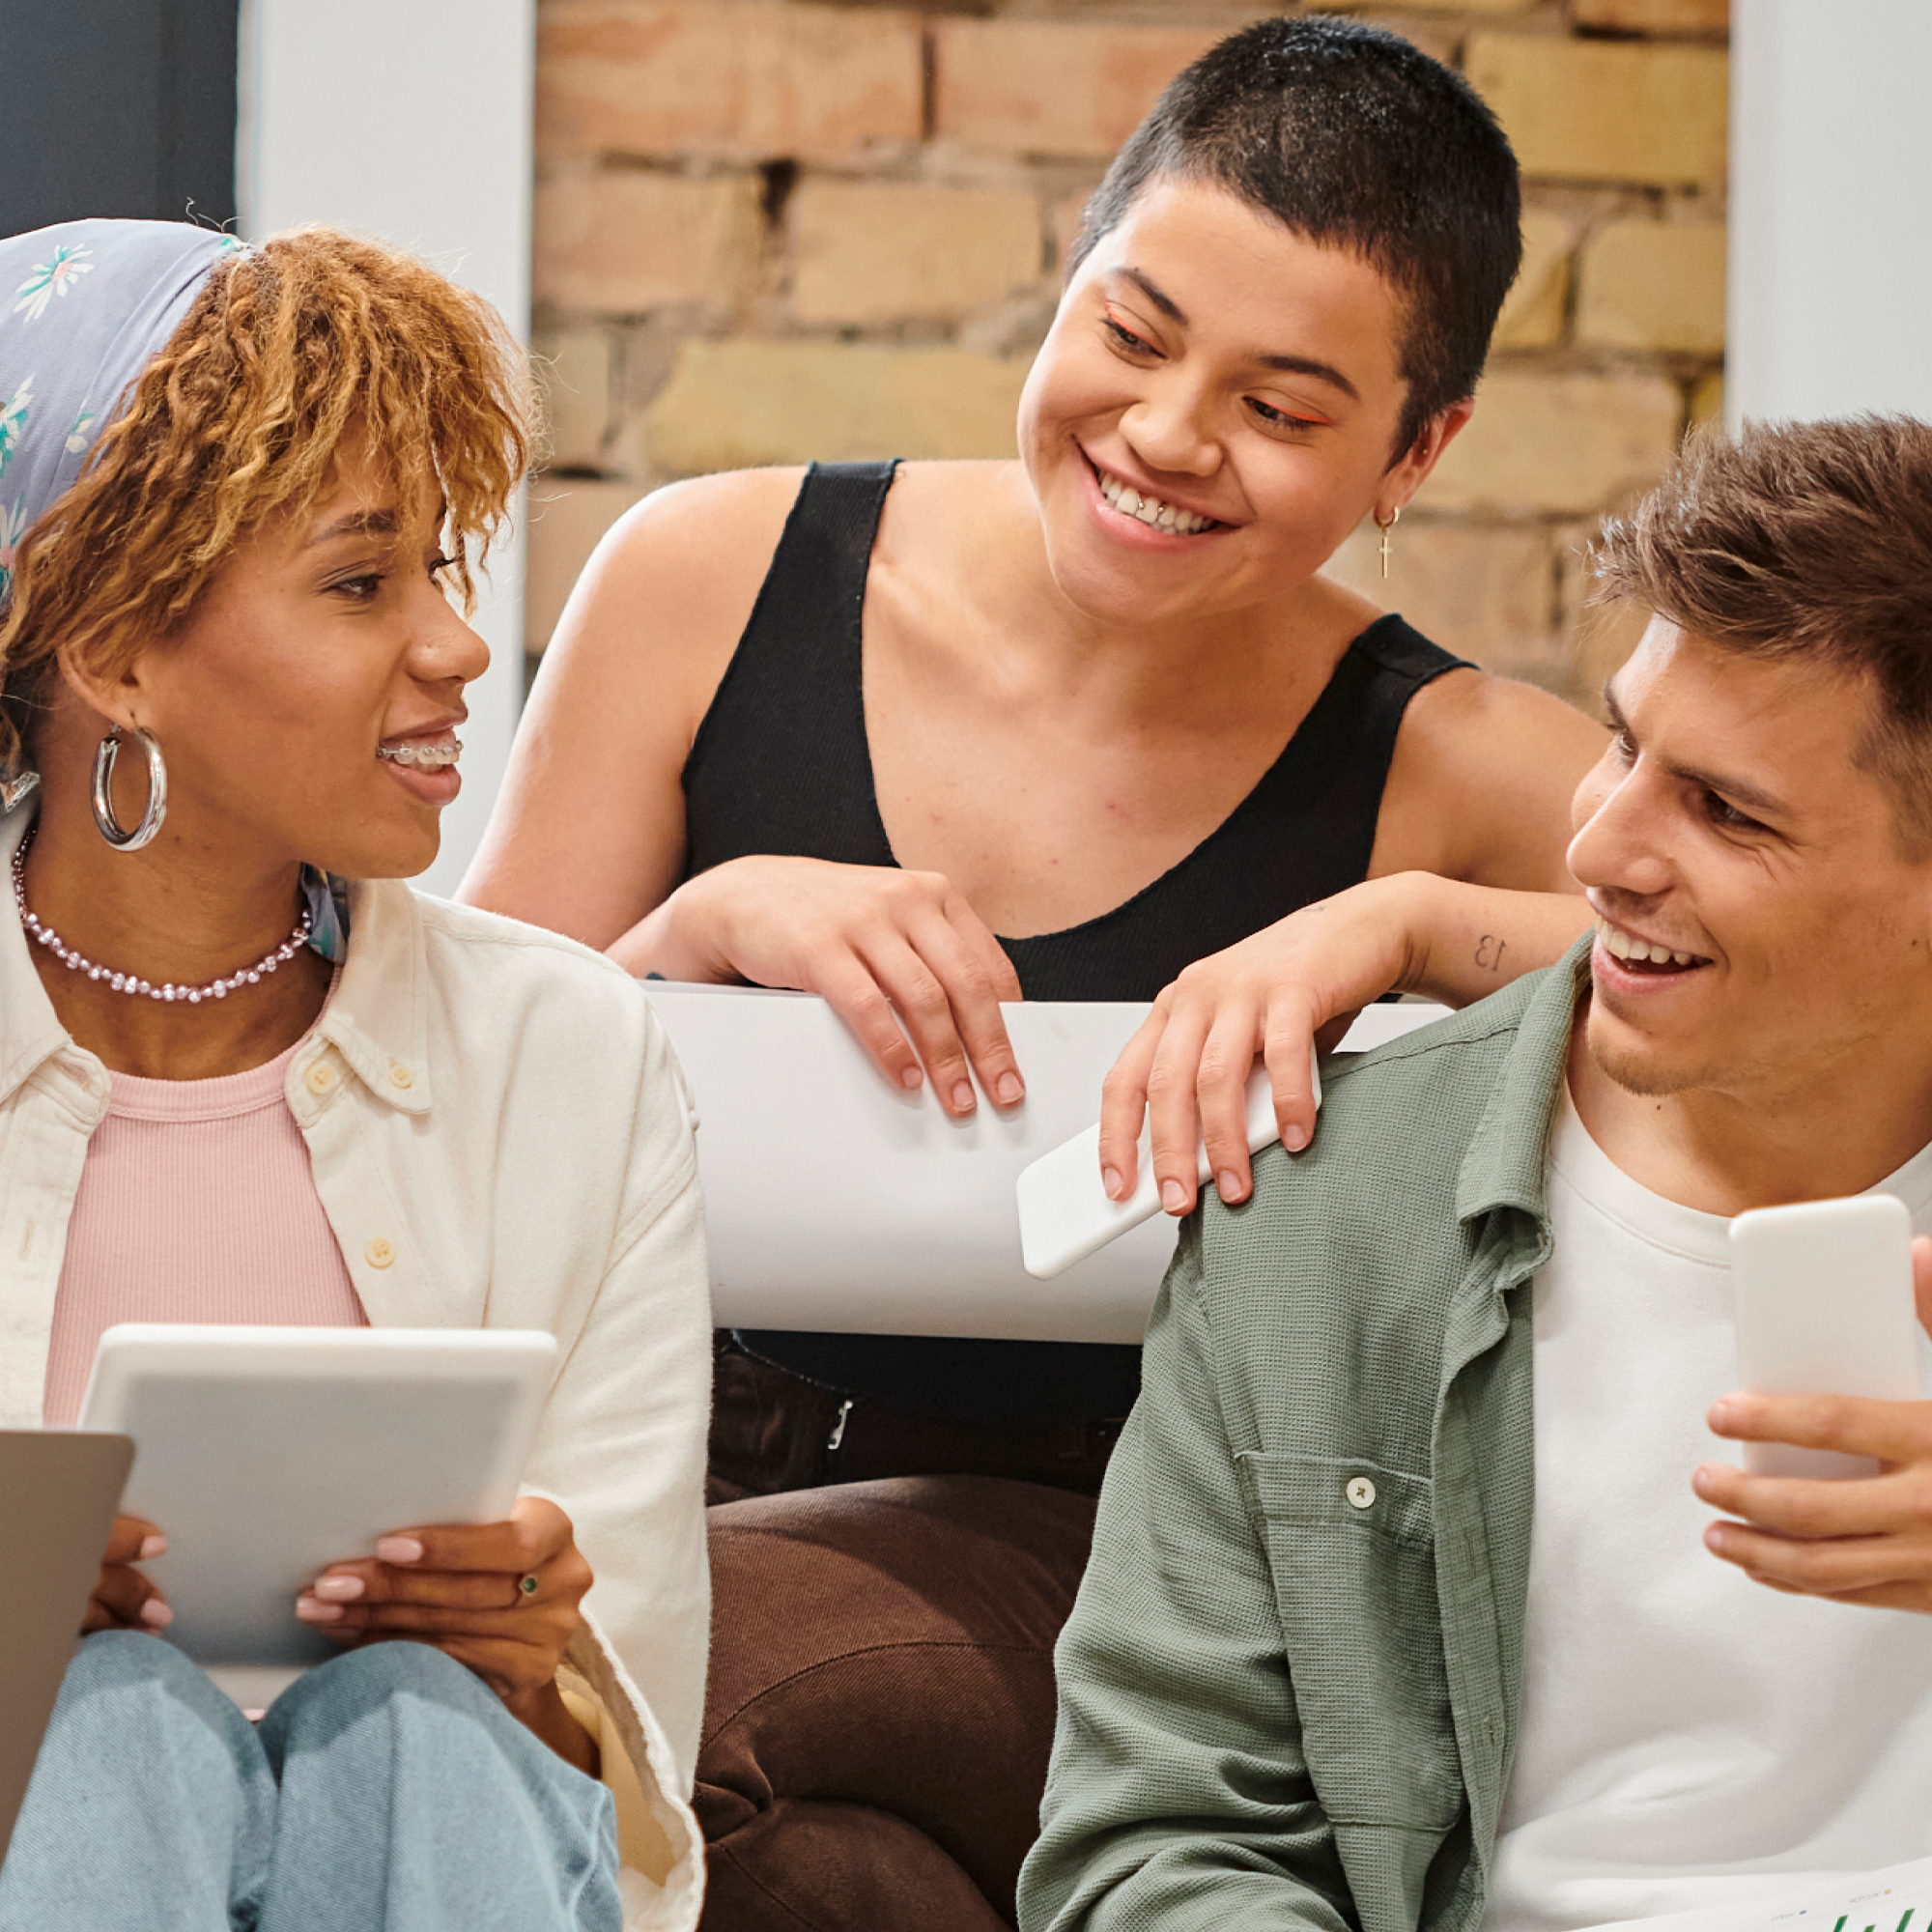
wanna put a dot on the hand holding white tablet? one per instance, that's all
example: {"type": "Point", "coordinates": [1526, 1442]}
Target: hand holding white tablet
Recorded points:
{"type": "Point", "coordinates": [500, 1598]}
{"type": "Point", "coordinates": [265, 1455]}
{"type": "Point", "coordinates": [125, 1598]}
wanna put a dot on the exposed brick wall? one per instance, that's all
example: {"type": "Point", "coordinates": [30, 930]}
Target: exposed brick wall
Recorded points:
{"type": "Point", "coordinates": [768, 230]}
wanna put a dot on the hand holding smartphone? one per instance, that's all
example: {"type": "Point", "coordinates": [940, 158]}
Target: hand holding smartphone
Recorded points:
{"type": "Point", "coordinates": [1823, 1306]}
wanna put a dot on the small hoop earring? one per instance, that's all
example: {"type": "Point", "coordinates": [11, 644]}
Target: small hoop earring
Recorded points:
{"type": "Point", "coordinates": [104, 756]}
{"type": "Point", "coordinates": [1394, 518]}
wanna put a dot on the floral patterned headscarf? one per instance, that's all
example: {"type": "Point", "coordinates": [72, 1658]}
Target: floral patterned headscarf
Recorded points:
{"type": "Point", "coordinates": [84, 308]}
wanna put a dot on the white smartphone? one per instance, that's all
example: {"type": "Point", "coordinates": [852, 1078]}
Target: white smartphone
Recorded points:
{"type": "Point", "coordinates": [1064, 1212]}
{"type": "Point", "coordinates": [1823, 1305]}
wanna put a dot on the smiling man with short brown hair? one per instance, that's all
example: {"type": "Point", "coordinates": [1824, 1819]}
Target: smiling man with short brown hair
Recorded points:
{"type": "Point", "coordinates": [1403, 1611]}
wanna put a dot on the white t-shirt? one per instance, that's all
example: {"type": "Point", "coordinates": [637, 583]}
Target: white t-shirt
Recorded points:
{"type": "Point", "coordinates": [1690, 1738]}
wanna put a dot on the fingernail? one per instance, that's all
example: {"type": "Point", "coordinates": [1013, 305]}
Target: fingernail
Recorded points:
{"type": "Point", "coordinates": [1700, 1479]}
{"type": "Point", "coordinates": [338, 1589]}
{"type": "Point", "coordinates": [1228, 1183]}
{"type": "Point", "coordinates": [1721, 1415]}
{"type": "Point", "coordinates": [399, 1549]}
{"type": "Point", "coordinates": [1714, 1537]}
{"type": "Point", "coordinates": [1293, 1140]}
{"type": "Point", "coordinates": [153, 1546]}
{"type": "Point", "coordinates": [155, 1614]}
{"type": "Point", "coordinates": [1012, 1093]}
{"type": "Point", "coordinates": [962, 1097]}
{"type": "Point", "coordinates": [311, 1611]}
{"type": "Point", "coordinates": [1171, 1195]}
{"type": "Point", "coordinates": [1110, 1179]}
{"type": "Point", "coordinates": [910, 1078]}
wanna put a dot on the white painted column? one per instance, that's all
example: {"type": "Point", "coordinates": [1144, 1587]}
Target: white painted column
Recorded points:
{"type": "Point", "coordinates": [410, 120]}
{"type": "Point", "coordinates": [1830, 207]}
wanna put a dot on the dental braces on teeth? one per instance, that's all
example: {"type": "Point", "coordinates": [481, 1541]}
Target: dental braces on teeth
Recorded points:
{"type": "Point", "coordinates": [424, 758]}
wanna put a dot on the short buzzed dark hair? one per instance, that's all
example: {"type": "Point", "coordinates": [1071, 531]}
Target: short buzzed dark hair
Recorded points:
{"type": "Point", "coordinates": [1803, 540]}
{"type": "Point", "coordinates": [1354, 138]}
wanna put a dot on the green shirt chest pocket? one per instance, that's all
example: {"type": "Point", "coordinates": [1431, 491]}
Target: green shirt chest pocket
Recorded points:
{"type": "Point", "coordinates": [1351, 1549]}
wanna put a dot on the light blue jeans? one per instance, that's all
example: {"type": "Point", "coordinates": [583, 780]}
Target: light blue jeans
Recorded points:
{"type": "Point", "coordinates": [387, 1789]}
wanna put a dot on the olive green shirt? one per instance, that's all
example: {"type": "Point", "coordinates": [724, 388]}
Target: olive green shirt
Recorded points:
{"type": "Point", "coordinates": [1291, 1688]}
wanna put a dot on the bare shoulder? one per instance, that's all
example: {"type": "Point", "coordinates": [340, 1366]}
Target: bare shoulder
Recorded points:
{"type": "Point", "coordinates": [1467, 714]}
{"type": "Point", "coordinates": [686, 563]}
{"type": "Point", "coordinates": [717, 514]}
{"type": "Point", "coordinates": [653, 621]}
{"type": "Point", "coordinates": [1481, 782]}
{"type": "Point", "coordinates": [587, 833]}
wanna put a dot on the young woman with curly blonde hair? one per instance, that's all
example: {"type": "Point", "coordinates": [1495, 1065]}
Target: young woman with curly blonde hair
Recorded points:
{"type": "Point", "coordinates": [246, 1075]}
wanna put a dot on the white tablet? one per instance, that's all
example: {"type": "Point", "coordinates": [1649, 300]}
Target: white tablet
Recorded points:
{"type": "Point", "coordinates": [267, 1454]}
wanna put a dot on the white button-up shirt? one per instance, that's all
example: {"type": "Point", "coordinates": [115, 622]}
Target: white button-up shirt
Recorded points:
{"type": "Point", "coordinates": [500, 1138]}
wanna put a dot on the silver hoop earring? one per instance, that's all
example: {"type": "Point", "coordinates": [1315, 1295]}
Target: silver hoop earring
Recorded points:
{"type": "Point", "coordinates": [104, 791]}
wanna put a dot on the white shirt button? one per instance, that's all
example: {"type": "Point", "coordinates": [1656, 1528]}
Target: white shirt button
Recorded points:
{"type": "Point", "coordinates": [400, 1075]}
{"type": "Point", "coordinates": [379, 1253]}
{"type": "Point", "coordinates": [320, 1078]}
{"type": "Point", "coordinates": [1361, 1493]}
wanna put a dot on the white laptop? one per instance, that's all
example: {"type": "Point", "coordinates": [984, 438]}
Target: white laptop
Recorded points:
{"type": "Point", "coordinates": [836, 1199]}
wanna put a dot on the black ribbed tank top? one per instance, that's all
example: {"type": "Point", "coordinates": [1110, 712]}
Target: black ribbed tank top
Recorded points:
{"type": "Point", "coordinates": [781, 764]}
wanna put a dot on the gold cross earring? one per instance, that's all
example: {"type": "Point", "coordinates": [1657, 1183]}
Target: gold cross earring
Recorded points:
{"type": "Point", "coordinates": [1394, 518]}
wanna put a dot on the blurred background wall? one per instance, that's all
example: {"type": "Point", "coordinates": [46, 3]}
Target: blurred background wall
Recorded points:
{"type": "Point", "coordinates": [408, 119]}
{"type": "Point", "coordinates": [771, 230]}
{"type": "Point", "coordinates": [117, 108]}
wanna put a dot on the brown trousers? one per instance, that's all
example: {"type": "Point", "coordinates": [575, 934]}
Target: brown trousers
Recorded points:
{"type": "Point", "coordinates": [880, 1705]}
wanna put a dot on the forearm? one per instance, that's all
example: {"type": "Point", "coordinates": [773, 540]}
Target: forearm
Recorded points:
{"type": "Point", "coordinates": [1466, 941]}
{"type": "Point", "coordinates": [668, 944]}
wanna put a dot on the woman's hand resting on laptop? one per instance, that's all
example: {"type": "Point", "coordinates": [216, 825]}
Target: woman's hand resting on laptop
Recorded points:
{"type": "Point", "coordinates": [871, 940]}
{"type": "Point", "coordinates": [122, 1598]}
{"type": "Point", "coordinates": [500, 1598]}
{"type": "Point", "coordinates": [1854, 1539]}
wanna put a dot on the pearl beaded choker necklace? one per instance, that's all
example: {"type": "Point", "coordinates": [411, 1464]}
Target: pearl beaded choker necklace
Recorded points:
{"type": "Point", "coordinates": [126, 983]}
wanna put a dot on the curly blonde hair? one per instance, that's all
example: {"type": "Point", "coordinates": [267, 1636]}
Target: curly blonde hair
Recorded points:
{"type": "Point", "coordinates": [291, 347]}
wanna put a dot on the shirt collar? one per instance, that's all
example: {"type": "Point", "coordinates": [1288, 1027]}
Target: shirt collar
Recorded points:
{"type": "Point", "coordinates": [29, 1032]}
{"type": "Point", "coordinates": [378, 1020]}
{"type": "Point", "coordinates": [1507, 1162]}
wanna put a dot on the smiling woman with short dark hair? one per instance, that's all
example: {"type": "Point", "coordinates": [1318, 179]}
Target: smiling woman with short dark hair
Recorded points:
{"type": "Point", "coordinates": [923, 737]}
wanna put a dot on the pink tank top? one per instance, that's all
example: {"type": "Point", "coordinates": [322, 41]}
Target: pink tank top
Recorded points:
{"type": "Point", "coordinates": [196, 1204]}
